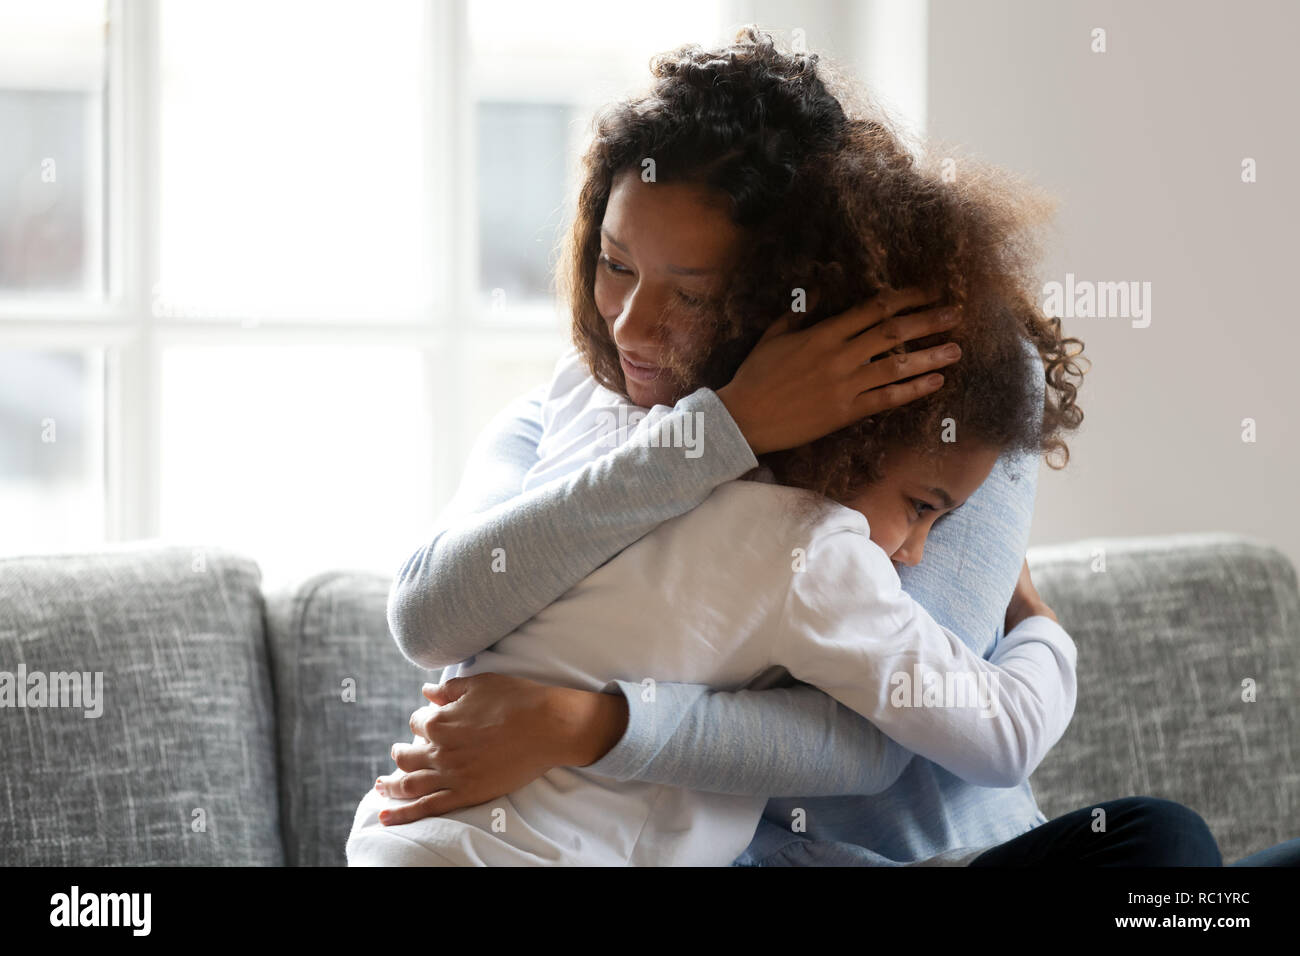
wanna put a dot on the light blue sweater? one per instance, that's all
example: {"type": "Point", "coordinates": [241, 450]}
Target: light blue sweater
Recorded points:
{"type": "Point", "coordinates": [820, 761]}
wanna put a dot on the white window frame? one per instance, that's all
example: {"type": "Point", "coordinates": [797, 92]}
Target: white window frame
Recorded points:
{"type": "Point", "coordinates": [449, 333]}
{"type": "Point", "coordinates": [123, 323]}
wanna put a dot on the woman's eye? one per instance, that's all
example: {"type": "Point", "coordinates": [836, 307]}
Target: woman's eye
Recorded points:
{"type": "Point", "coordinates": [613, 266]}
{"type": "Point", "coordinates": [921, 507]}
{"type": "Point", "coordinates": [696, 302]}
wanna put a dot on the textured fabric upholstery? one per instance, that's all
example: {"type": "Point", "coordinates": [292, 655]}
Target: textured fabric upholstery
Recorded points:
{"type": "Point", "coordinates": [187, 721]}
{"type": "Point", "coordinates": [328, 636]}
{"type": "Point", "coordinates": [1166, 636]}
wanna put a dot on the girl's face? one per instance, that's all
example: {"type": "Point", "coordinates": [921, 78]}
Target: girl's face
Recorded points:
{"type": "Point", "coordinates": [665, 251]}
{"type": "Point", "coordinates": [915, 491]}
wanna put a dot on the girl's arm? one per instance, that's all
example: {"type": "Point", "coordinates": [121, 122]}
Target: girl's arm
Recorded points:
{"type": "Point", "coordinates": [973, 561]}
{"type": "Point", "coordinates": [497, 556]}
{"type": "Point", "coordinates": [791, 741]}
{"type": "Point", "coordinates": [849, 629]}
{"type": "Point", "coordinates": [783, 741]}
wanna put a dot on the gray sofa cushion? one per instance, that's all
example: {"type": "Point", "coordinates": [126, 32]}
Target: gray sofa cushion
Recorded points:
{"type": "Point", "coordinates": [1166, 635]}
{"type": "Point", "coordinates": [186, 722]}
{"type": "Point", "coordinates": [330, 630]}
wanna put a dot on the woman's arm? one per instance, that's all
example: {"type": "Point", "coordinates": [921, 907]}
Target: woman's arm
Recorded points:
{"type": "Point", "coordinates": [498, 556]}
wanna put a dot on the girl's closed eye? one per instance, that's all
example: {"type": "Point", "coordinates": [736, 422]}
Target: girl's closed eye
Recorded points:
{"type": "Point", "coordinates": [921, 507]}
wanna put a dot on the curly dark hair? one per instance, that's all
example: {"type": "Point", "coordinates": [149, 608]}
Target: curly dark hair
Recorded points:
{"type": "Point", "coordinates": [833, 201]}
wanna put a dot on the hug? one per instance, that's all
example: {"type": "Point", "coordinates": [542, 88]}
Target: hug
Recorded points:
{"type": "Point", "coordinates": [691, 659]}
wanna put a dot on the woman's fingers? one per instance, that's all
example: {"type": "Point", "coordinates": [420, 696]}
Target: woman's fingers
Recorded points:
{"type": "Point", "coordinates": [896, 330]}
{"type": "Point", "coordinates": [779, 327]}
{"type": "Point", "coordinates": [897, 366]}
{"type": "Point", "coordinates": [891, 396]}
{"type": "Point", "coordinates": [792, 389]}
{"type": "Point", "coordinates": [894, 379]}
{"type": "Point", "coordinates": [875, 310]}
{"type": "Point", "coordinates": [443, 801]}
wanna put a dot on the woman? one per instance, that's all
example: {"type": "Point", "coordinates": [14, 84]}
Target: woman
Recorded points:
{"type": "Point", "coordinates": [744, 129]}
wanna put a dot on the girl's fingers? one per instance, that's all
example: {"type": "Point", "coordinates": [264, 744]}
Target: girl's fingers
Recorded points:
{"type": "Point", "coordinates": [408, 786]}
{"type": "Point", "coordinates": [410, 757]}
{"type": "Point", "coordinates": [898, 329]}
{"type": "Point", "coordinates": [853, 321]}
{"type": "Point", "coordinates": [419, 720]}
{"type": "Point", "coordinates": [428, 806]}
{"type": "Point", "coordinates": [891, 396]}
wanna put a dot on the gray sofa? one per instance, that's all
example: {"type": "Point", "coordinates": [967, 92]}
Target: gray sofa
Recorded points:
{"type": "Point", "coordinates": [242, 728]}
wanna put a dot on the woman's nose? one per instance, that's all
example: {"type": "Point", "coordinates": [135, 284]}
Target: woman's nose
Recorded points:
{"type": "Point", "coordinates": [637, 326]}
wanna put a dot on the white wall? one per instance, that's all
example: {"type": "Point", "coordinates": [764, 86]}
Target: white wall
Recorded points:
{"type": "Point", "coordinates": [1143, 146]}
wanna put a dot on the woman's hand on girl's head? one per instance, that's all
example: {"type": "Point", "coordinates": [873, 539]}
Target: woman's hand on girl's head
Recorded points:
{"type": "Point", "coordinates": [484, 736]}
{"type": "Point", "coordinates": [796, 386]}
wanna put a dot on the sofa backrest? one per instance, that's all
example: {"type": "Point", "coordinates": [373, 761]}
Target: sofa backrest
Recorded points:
{"type": "Point", "coordinates": [1189, 681]}
{"type": "Point", "coordinates": [344, 695]}
{"type": "Point", "coordinates": [178, 768]}
{"type": "Point", "coordinates": [224, 713]}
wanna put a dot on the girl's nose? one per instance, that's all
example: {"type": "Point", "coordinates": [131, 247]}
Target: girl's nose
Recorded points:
{"type": "Point", "coordinates": [910, 554]}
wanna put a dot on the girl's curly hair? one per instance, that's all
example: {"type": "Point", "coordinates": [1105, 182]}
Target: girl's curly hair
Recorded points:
{"type": "Point", "coordinates": [834, 203]}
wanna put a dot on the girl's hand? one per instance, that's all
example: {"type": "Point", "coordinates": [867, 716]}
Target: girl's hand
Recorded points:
{"type": "Point", "coordinates": [1025, 602]}
{"type": "Point", "coordinates": [488, 735]}
{"type": "Point", "coordinates": [795, 387]}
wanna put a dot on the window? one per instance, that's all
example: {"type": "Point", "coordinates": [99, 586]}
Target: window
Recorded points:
{"type": "Point", "coordinates": [52, 63]}
{"type": "Point", "coordinates": [51, 448]}
{"type": "Point", "coordinates": [266, 268]}
{"type": "Point", "coordinates": [293, 162]}
{"type": "Point", "coordinates": [52, 249]}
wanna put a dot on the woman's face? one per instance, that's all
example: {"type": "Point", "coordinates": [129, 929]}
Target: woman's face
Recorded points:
{"type": "Point", "coordinates": [665, 252]}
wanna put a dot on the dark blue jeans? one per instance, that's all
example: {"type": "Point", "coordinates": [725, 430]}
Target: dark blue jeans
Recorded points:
{"type": "Point", "coordinates": [1138, 831]}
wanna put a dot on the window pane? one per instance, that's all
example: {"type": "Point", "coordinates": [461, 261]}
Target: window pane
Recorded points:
{"type": "Point", "coordinates": [293, 159]}
{"type": "Point", "coordinates": [521, 204]}
{"type": "Point", "coordinates": [537, 73]}
{"type": "Point", "coordinates": [590, 29]}
{"type": "Point", "coordinates": [51, 450]}
{"type": "Point", "coordinates": [306, 459]}
{"type": "Point", "coordinates": [52, 65]}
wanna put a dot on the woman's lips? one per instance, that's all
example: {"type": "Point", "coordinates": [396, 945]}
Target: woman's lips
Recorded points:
{"type": "Point", "coordinates": [639, 371]}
